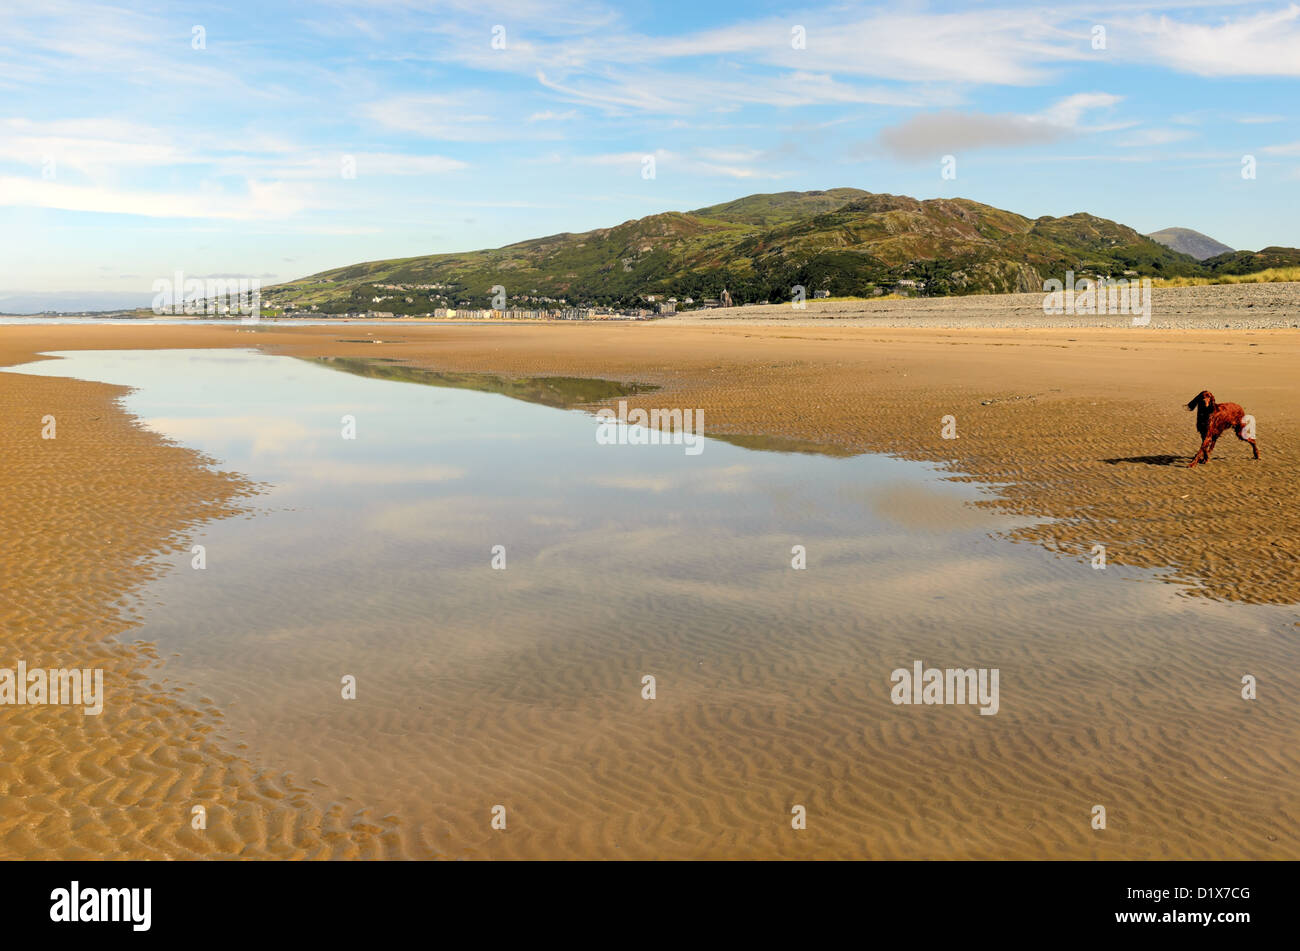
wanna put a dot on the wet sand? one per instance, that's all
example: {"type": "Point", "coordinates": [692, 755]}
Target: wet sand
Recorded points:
{"type": "Point", "coordinates": [84, 516]}
{"type": "Point", "coordinates": [1084, 429]}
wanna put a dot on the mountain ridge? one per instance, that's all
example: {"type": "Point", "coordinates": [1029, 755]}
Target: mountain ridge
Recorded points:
{"type": "Point", "coordinates": [841, 241]}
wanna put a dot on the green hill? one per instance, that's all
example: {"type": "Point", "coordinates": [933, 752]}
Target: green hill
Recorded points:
{"type": "Point", "coordinates": [845, 241]}
{"type": "Point", "coordinates": [1247, 262]}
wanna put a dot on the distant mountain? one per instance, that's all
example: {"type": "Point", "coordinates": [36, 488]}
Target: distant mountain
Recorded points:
{"type": "Point", "coordinates": [844, 240]}
{"type": "Point", "coordinates": [1187, 241]}
{"type": "Point", "coordinates": [45, 302]}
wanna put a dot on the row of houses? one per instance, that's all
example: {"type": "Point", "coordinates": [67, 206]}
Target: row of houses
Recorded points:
{"type": "Point", "coordinates": [461, 313]}
{"type": "Point", "coordinates": [658, 306]}
{"type": "Point", "coordinates": [567, 313]}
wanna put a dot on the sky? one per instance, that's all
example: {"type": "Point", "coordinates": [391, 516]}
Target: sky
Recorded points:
{"type": "Point", "coordinates": [272, 140]}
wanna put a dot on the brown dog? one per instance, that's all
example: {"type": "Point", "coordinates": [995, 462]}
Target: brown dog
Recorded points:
{"type": "Point", "coordinates": [1213, 420]}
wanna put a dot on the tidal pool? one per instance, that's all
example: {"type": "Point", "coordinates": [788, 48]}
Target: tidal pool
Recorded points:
{"type": "Point", "coordinates": [615, 643]}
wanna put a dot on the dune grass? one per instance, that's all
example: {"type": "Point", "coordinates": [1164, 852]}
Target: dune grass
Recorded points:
{"type": "Point", "coordinates": [1273, 275]}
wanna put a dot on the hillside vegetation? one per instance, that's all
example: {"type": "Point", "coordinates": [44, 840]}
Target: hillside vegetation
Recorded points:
{"type": "Point", "coordinates": [843, 241]}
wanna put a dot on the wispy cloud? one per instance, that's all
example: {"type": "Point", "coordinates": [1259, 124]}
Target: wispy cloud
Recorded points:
{"type": "Point", "coordinates": [699, 162]}
{"type": "Point", "coordinates": [261, 200]}
{"type": "Point", "coordinates": [436, 117]}
{"type": "Point", "coordinates": [1262, 44]}
{"type": "Point", "coordinates": [1287, 148]}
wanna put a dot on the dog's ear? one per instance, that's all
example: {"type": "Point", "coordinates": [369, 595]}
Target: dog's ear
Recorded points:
{"type": "Point", "coordinates": [1191, 404]}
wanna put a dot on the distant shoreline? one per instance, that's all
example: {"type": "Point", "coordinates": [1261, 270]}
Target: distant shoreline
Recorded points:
{"type": "Point", "coordinates": [1262, 306]}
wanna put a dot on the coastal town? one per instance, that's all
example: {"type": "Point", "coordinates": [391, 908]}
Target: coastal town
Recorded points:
{"type": "Point", "coordinates": [391, 301]}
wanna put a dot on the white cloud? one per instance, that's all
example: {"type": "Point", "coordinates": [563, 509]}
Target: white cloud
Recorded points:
{"type": "Point", "coordinates": [436, 117]}
{"type": "Point", "coordinates": [388, 163]}
{"type": "Point", "coordinates": [329, 166]}
{"type": "Point", "coordinates": [1069, 111]}
{"type": "Point", "coordinates": [85, 144]}
{"type": "Point", "coordinates": [701, 162]}
{"type": "Point", "coordinates": [675, 93]}
{"type": "Point", "coordinates": [1002, 46]}
{"type": "Point", "coordinates": [97, 146]}
{"type": "Point", "coordinates": [1008, 46]}
{"type": "Point", "coordinates": [263, 200]}
{"type": "Point", "coordinates": [1264, 44]}
{"type": "Point", "coordinates": [1137, 138]}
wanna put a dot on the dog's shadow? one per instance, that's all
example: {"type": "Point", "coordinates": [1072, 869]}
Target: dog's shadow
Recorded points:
{"type": "Point", "coordinates": [1150, 460]}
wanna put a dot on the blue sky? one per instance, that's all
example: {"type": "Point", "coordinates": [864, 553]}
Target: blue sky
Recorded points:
{"type": "Point", "coordinates": [139, 140]}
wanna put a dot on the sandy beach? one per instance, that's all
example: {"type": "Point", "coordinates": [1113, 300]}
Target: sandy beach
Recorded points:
{"type": "Point", "coordinates": [1264, 306]}
{"type": "Point", "coordinates": [84, 516]}
{"type": "Point", "coordinates": [1082, 429]}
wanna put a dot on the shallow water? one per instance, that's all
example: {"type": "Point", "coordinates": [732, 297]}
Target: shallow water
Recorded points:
{"type": "Point", "coordinates": [477, 686]}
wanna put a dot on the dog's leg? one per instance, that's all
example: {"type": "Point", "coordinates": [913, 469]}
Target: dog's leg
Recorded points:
{"type": "Point", "coordinates": [1203, 454]}
{"type": "Point", "coordinates": [1254, 447]}
{"type": "Point", "coordinates": [1213, 440]}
